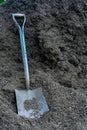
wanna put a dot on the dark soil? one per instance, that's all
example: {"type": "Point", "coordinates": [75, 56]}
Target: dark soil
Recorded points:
{"type": "Point", "coordinates": [56, 38]}
{"type": "Point", "coordinates": [31, 104]}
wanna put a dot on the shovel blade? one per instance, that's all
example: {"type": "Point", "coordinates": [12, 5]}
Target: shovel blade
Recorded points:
{"type": "Point", "coordinates": [31, 103]}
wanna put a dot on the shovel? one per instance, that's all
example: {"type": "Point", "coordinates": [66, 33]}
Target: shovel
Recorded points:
{"type": "Point", "coordinates": [30, 103]}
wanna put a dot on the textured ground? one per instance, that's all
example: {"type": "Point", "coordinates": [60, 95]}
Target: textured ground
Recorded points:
{"type": "Point", "coordinates": [56, 37]}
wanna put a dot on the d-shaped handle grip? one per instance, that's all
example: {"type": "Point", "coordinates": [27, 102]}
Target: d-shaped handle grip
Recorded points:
{"type": "Point", "coordinates": [19, 16]}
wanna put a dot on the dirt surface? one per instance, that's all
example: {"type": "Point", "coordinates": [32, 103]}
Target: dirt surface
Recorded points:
{"type": "Point", "coordinates": [56, 37]}
{"type": "Point", "coordinates": [31, 104]}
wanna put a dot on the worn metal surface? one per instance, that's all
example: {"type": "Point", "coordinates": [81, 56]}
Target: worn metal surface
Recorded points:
{"type": "Point", "coordinates": [38, 105]}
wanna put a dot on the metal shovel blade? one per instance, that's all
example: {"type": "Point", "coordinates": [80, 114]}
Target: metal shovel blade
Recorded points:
{"type": "Point", "coordinates": [31, 103]}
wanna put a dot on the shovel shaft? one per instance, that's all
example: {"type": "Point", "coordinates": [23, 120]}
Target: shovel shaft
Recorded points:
{"type": "Point", "coordinates": [23, 46]}
{"type": "Point", "coordinates": [24, 56]}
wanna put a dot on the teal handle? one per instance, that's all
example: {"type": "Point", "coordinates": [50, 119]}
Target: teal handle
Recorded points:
{"type": "Point", "coordinates": [23, 47]}
{"type": "Point", "coordinates": [16, 23]}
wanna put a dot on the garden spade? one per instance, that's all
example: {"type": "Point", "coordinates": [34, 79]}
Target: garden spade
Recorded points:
{"type": "Point", "coordinates": [30, 103]}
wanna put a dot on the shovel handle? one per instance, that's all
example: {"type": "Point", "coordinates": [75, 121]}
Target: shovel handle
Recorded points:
{"type": "Point", "coordinates": [19, 15]}
{"type": "Point", "coordinates": [23, 47]}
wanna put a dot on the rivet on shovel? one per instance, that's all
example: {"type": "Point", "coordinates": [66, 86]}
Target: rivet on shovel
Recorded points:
{"type": "Point", "coordinates": [30, 103]}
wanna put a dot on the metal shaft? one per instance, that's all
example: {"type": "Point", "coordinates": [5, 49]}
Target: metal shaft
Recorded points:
{"type": "Point", "coordinates": [23, 47]}
{"type": "Point", "coordinates": [24, 56]}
